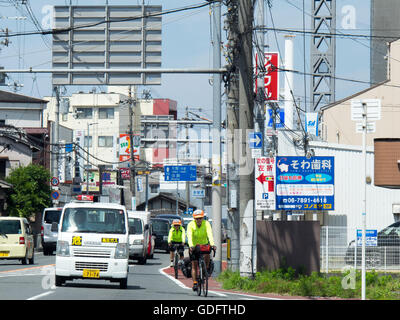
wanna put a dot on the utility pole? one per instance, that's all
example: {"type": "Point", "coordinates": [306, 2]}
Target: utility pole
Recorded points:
{"type": "Point", "coordinates": [132, 104]}
{"type": "Point", "coordinates": [186, 159]}
{"type": "Point", "coordinates": [246, 124]}
{"type": "Point", "coordinates": [232, 119]}
{"type": "Point", "coordinates": [216, 144]}
{"type": "Point", "coordinates": [56, 137]}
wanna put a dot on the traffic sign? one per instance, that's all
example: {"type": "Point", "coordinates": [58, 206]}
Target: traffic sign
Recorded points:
{"type": "Point", "coordinates": [180, 173]}
{"type": "Point", "coordinates": [55, 181]}
{"type": "Point", "coordinates": [55, 195]}
{"type": "Point", "coordinates": [255, 140]}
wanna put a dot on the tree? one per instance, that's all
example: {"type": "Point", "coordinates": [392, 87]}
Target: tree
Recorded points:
{"type": "Point", "coordinates": [31, 191]}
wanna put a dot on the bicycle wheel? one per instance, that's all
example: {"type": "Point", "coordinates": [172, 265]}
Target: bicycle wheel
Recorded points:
{"type": "Point", "coordinates": [200, 279]}
{"type": "Point", "coordinates": [205, 278]}
{"type": "Point", "coordinates": [176, 265]}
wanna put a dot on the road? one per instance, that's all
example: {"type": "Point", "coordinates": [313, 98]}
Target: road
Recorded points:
{"type": "Point", "coordinates": [145, 282]}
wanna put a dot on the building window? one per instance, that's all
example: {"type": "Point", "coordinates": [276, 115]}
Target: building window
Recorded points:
{"type": "Point", "coordinates": [106, 113]}
{"type": "Point", "coordinates": [2, 123]}
{"type": "Point", "coordinates": [84, 113]}
{"type": "Point", "coordinates": [85, 144]}
{"type": "Point", "coordinates": [154, 188]}
{"type": "Point", "coordinates": [105, 141]}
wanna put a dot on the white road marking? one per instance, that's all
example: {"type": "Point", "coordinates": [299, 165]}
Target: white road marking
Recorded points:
{"type": "Point", "coordinates": [41, 295]}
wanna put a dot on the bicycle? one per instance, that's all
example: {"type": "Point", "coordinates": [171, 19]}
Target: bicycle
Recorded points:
{"type": "Point", "coordinates": [202, 280]}
{"type": "Point", "coordinates": [176, 259]}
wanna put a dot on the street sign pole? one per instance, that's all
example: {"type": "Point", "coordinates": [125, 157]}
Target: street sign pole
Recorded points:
{"type": "Point", "coordinates": [364, 166]}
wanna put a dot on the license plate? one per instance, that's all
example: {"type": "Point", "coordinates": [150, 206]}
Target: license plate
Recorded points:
{"type": "Point", "coordinates": [91, 273]}
{"type": "Point", "coordinates": [4, 253]}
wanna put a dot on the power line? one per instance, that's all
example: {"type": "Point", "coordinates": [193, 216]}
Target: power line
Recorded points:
{"type": "Point", "coordinates": [149, 15]}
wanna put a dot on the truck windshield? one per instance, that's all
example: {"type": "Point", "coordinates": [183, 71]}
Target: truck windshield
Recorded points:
{"type": "Point", "coordinates": [96, 220]}
{"type": "Point", "coordinates": [135, 226]}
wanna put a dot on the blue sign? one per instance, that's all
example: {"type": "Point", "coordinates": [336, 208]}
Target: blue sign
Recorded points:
{"type": "Point", "coordinates": [189, 212]}
{"type": "Point", "coordinates": [55, 195]}
{"type": "Point", "coordinates": [180, 173]}
{"type": "Point", "coordinates": [198, 193]}
{"type": "Point", "coordinates": [280, 119]}
{"type": "Point", "coordinates": [371, 238]}
{"type": "Point", "coordinates": [69, 147]}
{"type": "Point", "coordinates": [305, 184]}
{"type": "Point", "coordinates": [255, 140]}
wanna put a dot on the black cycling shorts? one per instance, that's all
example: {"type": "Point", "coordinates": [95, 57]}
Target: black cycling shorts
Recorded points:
{"type": "Point", "coordinates": [180, 247]}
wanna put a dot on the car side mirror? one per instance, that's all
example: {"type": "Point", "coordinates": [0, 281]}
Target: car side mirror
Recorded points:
{"type": "Point", "coordinates": [54, 227]}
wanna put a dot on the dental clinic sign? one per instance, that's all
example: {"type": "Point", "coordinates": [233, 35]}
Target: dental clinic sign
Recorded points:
{"type": "Point", "coordinates": [305, 184]}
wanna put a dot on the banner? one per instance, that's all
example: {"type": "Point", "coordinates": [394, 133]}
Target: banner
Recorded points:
{"type": "Point", "coordinates": [271, 78]}
{"type": "Point", "coordinates": [312, 123]}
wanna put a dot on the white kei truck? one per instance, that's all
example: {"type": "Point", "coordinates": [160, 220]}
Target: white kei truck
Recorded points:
{"type": "Point", "coordinates": [92, 243]}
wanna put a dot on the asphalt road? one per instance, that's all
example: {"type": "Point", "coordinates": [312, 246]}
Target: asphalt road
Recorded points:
{"type": "Point", "coordinates": [145, 282]}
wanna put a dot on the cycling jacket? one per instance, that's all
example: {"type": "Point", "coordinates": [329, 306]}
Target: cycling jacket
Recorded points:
{"type": "Point", "coordinates": [202, 235]}
{"type": "Point", "coordinates": [176, 236]}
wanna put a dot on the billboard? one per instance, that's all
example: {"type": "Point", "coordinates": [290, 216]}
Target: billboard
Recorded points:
{"type": "Point", "coordinates": [305, 184]}
{"type": "Point", "coordinates": [271, 78]}
{"type": "Point", "coordinates": [111, 37]}
{"type": "Point", "coordinates": [125, 148]}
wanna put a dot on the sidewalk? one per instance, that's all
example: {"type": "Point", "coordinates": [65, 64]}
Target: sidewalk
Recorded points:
{"type": "Point", "coordinates": [214, 285]}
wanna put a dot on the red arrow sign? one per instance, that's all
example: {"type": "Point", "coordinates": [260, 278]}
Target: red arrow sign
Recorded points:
{"type": "Point", "coordinates": [261, 178]}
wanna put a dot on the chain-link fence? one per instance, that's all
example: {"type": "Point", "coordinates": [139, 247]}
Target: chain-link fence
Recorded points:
{"type": "Point", "coordinates": [340, 249]}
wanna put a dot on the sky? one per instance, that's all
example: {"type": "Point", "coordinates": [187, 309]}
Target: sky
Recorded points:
{"type": "Point", "coordinates": [186, 43]}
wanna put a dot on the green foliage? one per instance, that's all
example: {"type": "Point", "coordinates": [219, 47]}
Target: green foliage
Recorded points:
{"type": "Point", "coordinates": [30, 192]}
{"type": "Point", "coordinates": [286, 281]}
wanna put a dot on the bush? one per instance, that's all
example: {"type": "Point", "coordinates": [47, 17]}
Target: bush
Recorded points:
{"type": "Point", "coordinates": [286, 281]}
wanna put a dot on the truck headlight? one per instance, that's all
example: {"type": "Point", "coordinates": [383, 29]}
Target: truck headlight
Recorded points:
{"type": "Point", "coordinates": [121, 251]}
{"type": "Point", "coordinates": [62, 248]}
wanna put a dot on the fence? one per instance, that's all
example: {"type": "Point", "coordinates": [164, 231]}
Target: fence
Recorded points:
{"type": "Point", "coordinates": [338, 249]}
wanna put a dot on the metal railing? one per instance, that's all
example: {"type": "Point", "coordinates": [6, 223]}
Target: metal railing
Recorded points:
{"type": "Point", "coordinates": [338, 250]}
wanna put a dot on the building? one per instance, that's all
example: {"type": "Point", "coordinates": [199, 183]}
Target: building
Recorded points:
{"type": "Point", "coordinates": [385, 27]}
{"type": "Point", "coordinates": [337, 126]}
{"type": "Point", "coordinates": [99, 121]}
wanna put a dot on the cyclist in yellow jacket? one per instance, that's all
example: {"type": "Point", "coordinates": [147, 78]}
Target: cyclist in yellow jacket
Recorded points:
{"type": "Point", "coordinates": [199, 232]}
{"type": "Point", "coordinates": [176, 236]}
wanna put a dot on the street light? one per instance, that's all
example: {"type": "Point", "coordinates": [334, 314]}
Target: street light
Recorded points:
{"type": "Point", "coordinates": [87, 156]}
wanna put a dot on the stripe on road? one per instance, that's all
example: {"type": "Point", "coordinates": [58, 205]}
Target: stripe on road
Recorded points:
{"type": "Point", "coordinates": [41, 295]}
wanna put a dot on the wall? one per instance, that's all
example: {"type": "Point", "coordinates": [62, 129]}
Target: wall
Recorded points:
{"type": "Point", "coordinates": [283, 243]}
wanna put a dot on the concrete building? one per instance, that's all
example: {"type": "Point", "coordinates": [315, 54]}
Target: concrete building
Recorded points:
{"type": "Point", "coordinates": [385, 27]}
{"type": "Point", "coordinates": [337, 126]}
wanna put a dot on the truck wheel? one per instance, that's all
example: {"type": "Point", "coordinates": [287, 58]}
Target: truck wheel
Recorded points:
{"type": "Point", "coordinates": [123, 284]}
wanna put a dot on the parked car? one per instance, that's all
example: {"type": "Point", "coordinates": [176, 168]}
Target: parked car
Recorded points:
{"type": "Point", "coordinates": [161, 228]}
{"type": "Point", "coordinates": [16, 240]}
{"type": "Point", "coordinates": [48, 237]}
{"type": "Point", "coordinates": [387, 251]}
{"type": "Point", "coordinates": [138, 235]}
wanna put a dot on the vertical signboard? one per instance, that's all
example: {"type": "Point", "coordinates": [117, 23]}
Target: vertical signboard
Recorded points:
{"type": "Point", "coordinates": [271, 79]}
{"type": "Point", "coordinates": [265, 183]}
{"type": "Point", "coordinates": [305, 184]}
{"type": "Point", "coordinates": [125, 148]}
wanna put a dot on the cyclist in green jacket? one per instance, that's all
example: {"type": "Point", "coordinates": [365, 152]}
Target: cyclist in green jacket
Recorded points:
{"type": "Point", "coordinates": [199, 232]}
{"type": "Point", "coordinates": [176, 236]}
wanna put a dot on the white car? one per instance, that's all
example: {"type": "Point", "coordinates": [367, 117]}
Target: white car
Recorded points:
{"type": "Point", "coordinates": [92, 243]}
{"type": "Point", "coordinates": [139, 235]}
